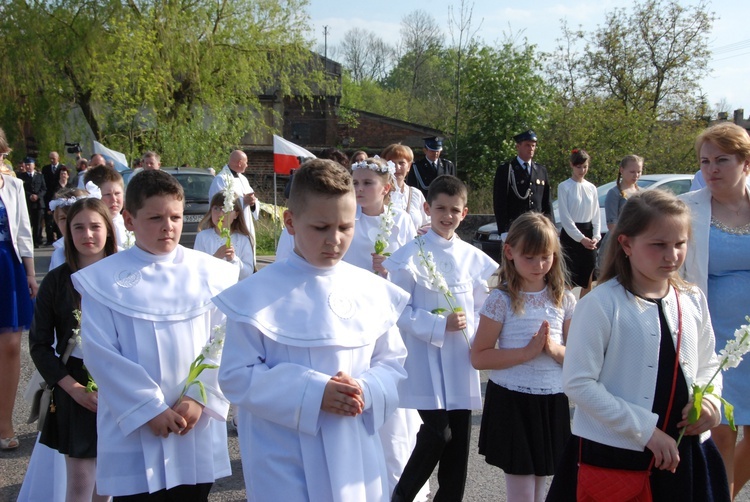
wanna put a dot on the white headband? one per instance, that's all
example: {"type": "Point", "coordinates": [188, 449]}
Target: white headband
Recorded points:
{"type": "Point", "coordinates": [389, 166]}
{"type": "Point", "coordinates": [91, 188]}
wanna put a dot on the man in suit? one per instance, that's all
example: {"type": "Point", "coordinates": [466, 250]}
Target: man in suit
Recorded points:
{"type": "Point", "coordinates": [35, 188]}
{"type": "Point", "coordinates": [521, 185]}
{"type": "Point", "coordinates": [424, 171]}
{"type": "Point", "coordinates": [51, 173]}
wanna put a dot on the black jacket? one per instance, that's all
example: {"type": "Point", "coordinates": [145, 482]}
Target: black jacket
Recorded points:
{"type": "Point", "coordinates": [33, 183]}
{"type": "Point", "coordinates": [423, 173]}
{"type": "Point", "coordinates": [51, 179]}
{"type": "Point", "coordinates": [508, 205]}
{"type": "Point", "coordinates": [53, 317]}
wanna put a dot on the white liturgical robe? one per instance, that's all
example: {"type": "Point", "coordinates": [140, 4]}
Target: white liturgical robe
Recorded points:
{"type": "Point", "coordinates": [282, 348]}
{"type": "Point", "coordinates": [438, 364]}
{"type": "Point", "coordinates": [145, 318]}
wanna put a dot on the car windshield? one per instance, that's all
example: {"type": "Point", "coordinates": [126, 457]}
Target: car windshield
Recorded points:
{"type": "Point", "coordinates": [195, 185]}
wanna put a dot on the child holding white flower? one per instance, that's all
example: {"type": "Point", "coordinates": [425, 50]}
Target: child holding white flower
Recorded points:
{"type": "Point", "coordinates": [71, 429]}
{"type": "Point", "coordinates": [381, 227]}
{"type": "Point", "coordinates": [147, 314]}
{"type": "Point", "coordinates": [210, 239]}
{"type": "Point", "coordinates": [637, 344]}
{"type": "Point", "coordinates": [447, 280]}
{"type": "Point", "coordinates": [521, 337]}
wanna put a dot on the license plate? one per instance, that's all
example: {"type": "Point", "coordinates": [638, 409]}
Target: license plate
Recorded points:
{"type": "Point", "coordinates": [192, 218]}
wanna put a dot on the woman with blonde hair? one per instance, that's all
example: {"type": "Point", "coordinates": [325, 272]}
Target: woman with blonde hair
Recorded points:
{"type": "Point", "coordinates": [717, 262]}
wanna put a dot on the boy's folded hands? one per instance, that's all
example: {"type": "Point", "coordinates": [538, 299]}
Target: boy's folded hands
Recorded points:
{"type": "Point", "coordinates": [343, 396]}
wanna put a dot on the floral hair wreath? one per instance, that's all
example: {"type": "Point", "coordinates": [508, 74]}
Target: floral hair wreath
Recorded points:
{"type": "Point", "coordinates": [93, 193]}
{"type": "Point", "coordinates": [389, 168]}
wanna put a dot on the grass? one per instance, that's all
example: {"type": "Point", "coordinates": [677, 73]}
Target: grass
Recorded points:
{"type": "Point", "coordinates": [265, 238]}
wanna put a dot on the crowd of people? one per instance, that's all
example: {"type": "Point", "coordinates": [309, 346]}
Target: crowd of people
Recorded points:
{"type": "Point", "coordinates": [352, 362]}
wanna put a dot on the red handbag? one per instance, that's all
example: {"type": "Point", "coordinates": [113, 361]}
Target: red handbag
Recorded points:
{"type": "Point", "coordinates": [601, 484]}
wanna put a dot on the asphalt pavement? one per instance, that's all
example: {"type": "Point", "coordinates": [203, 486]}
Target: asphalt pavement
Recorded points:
{"type": "Point", "coordinates": [484, 483]}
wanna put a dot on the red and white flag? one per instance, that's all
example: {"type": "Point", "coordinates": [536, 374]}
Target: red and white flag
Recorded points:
{"type": "Point", "coordinates": [285, 155]}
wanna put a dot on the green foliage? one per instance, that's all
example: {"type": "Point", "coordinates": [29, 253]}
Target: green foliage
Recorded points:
{"type": "Point", "coordinates": [503, 93]}
{"type": "Point", "coordinates": [182, 78]}
{"type": "Point", "coordinates": [267, 231]}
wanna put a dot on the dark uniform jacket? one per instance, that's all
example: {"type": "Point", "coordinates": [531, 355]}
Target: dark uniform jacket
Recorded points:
{"type": "Point", "coordinates": [52, 180]}
{"type": "Point", "coordinates": [423, 173]}
{"type": "Point", "coordinates": [33, 183]}
{"type": "Point", "coordinates": [508, 205]}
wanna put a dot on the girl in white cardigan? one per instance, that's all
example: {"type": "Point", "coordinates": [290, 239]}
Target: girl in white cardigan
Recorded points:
{"type": "Point", "coordinates": [620, 362]}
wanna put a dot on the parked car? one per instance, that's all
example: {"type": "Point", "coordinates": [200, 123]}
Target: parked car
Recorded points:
{"type": "Point", "coordinates": [488, 240]}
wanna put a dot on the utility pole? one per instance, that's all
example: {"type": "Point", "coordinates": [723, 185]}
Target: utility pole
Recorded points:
{"type": "Point", "coordinates": [325, 45]}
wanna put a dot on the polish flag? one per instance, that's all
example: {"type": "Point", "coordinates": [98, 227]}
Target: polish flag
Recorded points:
{"type": "Point", "coordinates": [285, 155]}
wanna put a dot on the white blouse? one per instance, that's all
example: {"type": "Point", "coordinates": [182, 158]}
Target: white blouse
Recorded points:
{"type": "Point", "coordinates": [412, 201]}
{"type": "Point", "coordinates": [209, 241]}
{"type": "Point", "coordinates": [578, 203]}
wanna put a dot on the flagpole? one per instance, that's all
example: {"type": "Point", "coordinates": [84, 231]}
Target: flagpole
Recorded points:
{"type": "Point", "coordinates": [275, 212]}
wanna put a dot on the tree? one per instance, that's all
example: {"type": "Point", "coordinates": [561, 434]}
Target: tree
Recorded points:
{"type": "Point", "coordinates": [652, 57]}
{"type": "Point", "coordinates": [365, 55]}
{"type": "Point", "coordinates": [159, 74]}
{"type": "Point", "coordinates": [504, 93]}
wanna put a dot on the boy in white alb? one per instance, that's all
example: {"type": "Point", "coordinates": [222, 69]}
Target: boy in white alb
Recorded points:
{"type": "Point", "coordinates": [314, 363]}
{"type": "Point", "coordinates": [146, 315]}
{"type": "Point", "coordinates": [442, 384]}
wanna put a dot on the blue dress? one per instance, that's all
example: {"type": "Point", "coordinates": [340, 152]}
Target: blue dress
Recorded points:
{"type": "Point", "coordinates": [16, 307]}
{"type": "Point", "coordinates": [728, 291]}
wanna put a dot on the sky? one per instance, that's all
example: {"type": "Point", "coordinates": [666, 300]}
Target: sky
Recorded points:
{"type": "Point", "coordinates": [728, 80]}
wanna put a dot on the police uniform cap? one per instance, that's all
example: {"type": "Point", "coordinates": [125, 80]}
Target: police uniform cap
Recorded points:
{"type": "Point", "coordinates": [529, 135]}
{"type": "Point", "coordinates": [434, 143]}
{"type": "Point", "coordinates": [29, 160]}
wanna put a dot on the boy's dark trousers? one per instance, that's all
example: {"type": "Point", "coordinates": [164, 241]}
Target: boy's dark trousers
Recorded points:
{"type": "Point", "coordinates": [444, 437]}
{"type": "Point", "coordinates": [181, 493]}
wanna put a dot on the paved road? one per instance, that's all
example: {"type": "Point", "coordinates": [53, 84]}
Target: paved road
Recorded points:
{"type": "Point", "coordinates": [484, 481]}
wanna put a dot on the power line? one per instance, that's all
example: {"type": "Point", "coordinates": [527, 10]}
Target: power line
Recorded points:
{"type": "Point", "coordinates": [736, 46]}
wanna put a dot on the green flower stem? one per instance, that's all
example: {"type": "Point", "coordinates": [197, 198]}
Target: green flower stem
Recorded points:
{"type": "Point", "coordinates": [458, 309]}
{"type": "Point", "coordinates": [702, 393]}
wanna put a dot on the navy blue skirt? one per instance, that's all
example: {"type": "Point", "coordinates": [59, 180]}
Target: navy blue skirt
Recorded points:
{"type": "Point", "coordinates": [16, 306]}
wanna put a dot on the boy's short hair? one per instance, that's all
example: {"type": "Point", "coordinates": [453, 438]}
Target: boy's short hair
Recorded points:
{"type": "Point", "coordinates": [398, 151]}
{"type": "Point", "coordinates": [319, 177]}
{"type": "Point", "coordinates": [147, 184]}
{"type": "Point", "coordinates": [448, 185]}
{"type": "Point", "coordinates": [100, 175]}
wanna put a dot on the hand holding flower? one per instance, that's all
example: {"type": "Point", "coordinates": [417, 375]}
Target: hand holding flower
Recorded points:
{"type": "Point", "coordinates": [189, 409]}
{"type": "Point", "coordinates": [165, 422]}
{"type": "Point", "coordinates": [456, 321]}
{"type": "Point", "coordinates": [709, 418]}
{"type": "Point", "coordinates": [225, 253]}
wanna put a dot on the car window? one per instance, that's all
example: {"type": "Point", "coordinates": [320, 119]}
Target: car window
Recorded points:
{"type": "Point", "coordinates": [677, 187]}
{"type": "Point", "coordinates": [195, 185]}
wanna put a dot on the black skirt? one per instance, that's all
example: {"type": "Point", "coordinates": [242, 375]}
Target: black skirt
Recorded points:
{"type": "Point", "coordinates": [523, 433]}
{"type": "Point", "coordinates": [71, 430]}
{"type": "Point", "coordinates": [579, 261]}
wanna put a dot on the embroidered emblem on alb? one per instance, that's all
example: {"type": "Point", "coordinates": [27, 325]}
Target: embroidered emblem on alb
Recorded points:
{"type": "Point", "coordinates": [127, 279]}
{"type": "Point", "coordinates": [445, 267]}
{"type": "Point", "coordinates": [341, 305]}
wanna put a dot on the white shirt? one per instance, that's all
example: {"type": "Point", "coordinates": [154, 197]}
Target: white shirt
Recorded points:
{"type": "Point", "coordinates": [412, 201]}
{"type": "Point", "coordinates": [367, 230]}
{"type": "Point", "coordinates": [208, 241]}
{"type": "Point", "coordinates": [241, 187]}
{"type": "Point", "coordinates": [578, 203]}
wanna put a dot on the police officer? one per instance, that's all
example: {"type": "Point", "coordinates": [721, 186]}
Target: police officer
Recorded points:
{"type": "Point", "coordinates": [425, 170]}
{"type": "Point", "coordinates": [521, 185]}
